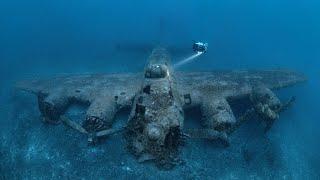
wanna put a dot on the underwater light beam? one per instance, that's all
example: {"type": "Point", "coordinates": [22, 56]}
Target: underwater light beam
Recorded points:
{"type": "Point", "coordinates": [187, 60]}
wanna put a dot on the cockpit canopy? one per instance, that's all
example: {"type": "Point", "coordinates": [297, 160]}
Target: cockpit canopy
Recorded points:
{"type": "Point", "coordinates": [156, 71]}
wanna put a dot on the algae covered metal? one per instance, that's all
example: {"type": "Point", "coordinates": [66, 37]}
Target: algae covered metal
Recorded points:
{"type": "Point", "coordinates": [159, 98]}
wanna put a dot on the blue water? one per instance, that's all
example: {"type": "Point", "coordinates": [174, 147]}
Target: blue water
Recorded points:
{"type": "Point", "coordinates": [42, 38]}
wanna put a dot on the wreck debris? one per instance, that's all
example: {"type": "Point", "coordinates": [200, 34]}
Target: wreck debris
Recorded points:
{"type": "Point", "coordinates": [267, 105]}
{"type": "Point", "coordinates": [158, 99]}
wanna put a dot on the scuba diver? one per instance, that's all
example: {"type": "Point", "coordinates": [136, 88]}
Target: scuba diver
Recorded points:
{"type": "Point", "coordinates": [200, 47]}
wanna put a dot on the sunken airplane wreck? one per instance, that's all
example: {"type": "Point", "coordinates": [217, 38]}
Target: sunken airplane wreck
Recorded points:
{"type": "Point", "coordinates": [158, 98]}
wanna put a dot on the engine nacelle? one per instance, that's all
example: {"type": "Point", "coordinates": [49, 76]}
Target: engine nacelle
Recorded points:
{"type": "Point", "coordinates": [217, 114]}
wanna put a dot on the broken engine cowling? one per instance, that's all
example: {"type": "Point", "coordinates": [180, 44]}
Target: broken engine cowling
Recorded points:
{"type": "Point", "coordinates": [217, 114]}
{"type": "Point", "coordinates": [266, 104]}
{"type": "Point", "coordinates": [52, 106]}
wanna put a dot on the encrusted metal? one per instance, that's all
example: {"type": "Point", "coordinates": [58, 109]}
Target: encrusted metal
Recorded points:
{"type": "Point", "coordinates": [158, 99]}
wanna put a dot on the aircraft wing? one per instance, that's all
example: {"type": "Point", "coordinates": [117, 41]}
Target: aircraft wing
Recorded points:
{"type": "Point", "coordinates": [104, 94]}
{"type": "Point", "coordinates": [86, 84]}
{"type": "Point", "coordinates": [230, 84]}
{"type": "Point", "coordinates": [213, 91]}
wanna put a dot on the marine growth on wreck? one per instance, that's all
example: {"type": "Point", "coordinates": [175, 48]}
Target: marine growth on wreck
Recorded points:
{"type": "Point", "coordinates": [158, 98]}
